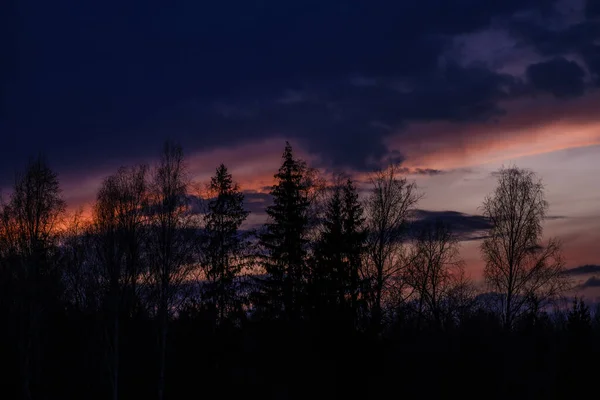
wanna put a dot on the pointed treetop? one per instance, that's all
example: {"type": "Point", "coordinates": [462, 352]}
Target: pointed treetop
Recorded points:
{"type": "Point", "coordinates": [222, 182]}
{"type": "Point", "coordinates": [288, 153]}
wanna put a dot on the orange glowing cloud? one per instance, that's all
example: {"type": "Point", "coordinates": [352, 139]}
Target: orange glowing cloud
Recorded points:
{"type": "Point", "coordinates": [252, 165]}
{"type": "Point", "coordinates": [524, 131]}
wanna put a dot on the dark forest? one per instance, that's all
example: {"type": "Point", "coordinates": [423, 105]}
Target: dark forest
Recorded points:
{"type": "Point", "coordinates": [165, 292]}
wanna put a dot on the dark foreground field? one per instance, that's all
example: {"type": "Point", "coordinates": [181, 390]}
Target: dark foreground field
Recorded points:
{"type": "Point", "coordinates": [276, 360]}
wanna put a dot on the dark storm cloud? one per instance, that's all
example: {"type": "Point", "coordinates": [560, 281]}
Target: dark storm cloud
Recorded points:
{"type": "Point", "coordinates": [344, 122]}
{"type": "Point", "coordinates": [583, 270]}
{"type": "Point", "coordinates": [110, 80]}
{"type": "Point", "coordinates": [590, 283]}
{"type": "Point", "coordinates": [579, 38]}
{"type": "Point", "coordinates": [254, 201]}
{"type": "Point", "coordinates": [257, 202]}
{"type": "Point", "coordinates": [465, 226]}
{"type": "Point", "coordinates": [561, 77]}
{"type": "Point", "coordinates": [592, 8]}
{"type": "Point", "coordinates": [421, 171]}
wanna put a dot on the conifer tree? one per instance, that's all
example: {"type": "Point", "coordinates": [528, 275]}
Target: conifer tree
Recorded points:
{"type": "Point", "coordinates": [285, 237]}
{"type": "Point", "coordinates": [355, 237]}
{"type": "Point", "coordinates": [223, 242]}
{"type": "Point", "coordinates": [339, 251]}
{"type": "Point", "coordinates": [328, 281]}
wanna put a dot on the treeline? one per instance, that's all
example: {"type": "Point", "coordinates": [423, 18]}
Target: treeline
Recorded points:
{"type": "Point", "coordinates": [165, 293]}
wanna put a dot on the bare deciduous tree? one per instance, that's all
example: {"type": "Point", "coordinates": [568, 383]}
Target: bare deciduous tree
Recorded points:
{"type": "Point", "coordinates": [524, 273]}
{"type": "Point", "coordinates": [436, 272]}
{"type": "Point", "coordinates": [172, 240]}
{"type": "Point", "coordinates": [30, 230]}
{"type": "Point", "coordinates": [79, 274]}
{"type": "Point", "coordinates": [461, 298]}
{"type": "Point", "coordinates": [119, 216]}
{"type": "Point", "coordinates": [389, 209]}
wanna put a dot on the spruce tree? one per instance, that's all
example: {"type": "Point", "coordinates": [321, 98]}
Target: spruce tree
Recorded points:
{"type": "Point", "coordinates": [355, 237]}
{"type": "Point", "coordinates": [328, 281]}
{"type": "Point", "coordinates": [338, 252]}
{"type": "Point", "coordinates": [285, 237]}
{"type": "Point", "coordinates": [223, 244]}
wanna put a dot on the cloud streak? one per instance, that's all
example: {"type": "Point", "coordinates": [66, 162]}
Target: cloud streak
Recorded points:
{"type": "Point", "coordinates": [583, 270]}
{"type": "Point", "coordinates": [466, 227]}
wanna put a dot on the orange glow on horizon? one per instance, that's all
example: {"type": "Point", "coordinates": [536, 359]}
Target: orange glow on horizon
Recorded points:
{"type": "Point", "coordinates": [523, 132]}
{"type": "Point", "coordinates": [253, 166]}
{"type": "Point", "coordinates": [478, 148]}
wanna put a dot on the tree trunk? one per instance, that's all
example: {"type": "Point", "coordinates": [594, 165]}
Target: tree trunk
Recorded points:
{"type": "Point", "coordinates": [164, 322]}
{"type": "Point", "coordinates": [377, 312]}
{"type": "Point", "coordinates": [112, 338]}
{"type": "Point", "coordinates": [508, 314]}
{"type": "Point", "coordinates": [115, 360]}
{"type": "Point", "coordinates": [25, 345]}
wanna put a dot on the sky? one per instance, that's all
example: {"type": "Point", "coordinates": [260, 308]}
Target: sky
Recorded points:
{"type": "Point", "coordinates": [451, 89]}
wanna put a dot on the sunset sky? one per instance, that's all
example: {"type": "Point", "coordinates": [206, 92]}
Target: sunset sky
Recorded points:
{"type": "Point", "coordinates": [451, 89]}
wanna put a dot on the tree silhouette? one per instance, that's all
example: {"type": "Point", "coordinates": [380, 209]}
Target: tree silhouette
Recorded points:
{"type": "Point", "coordinates": [132, 214]}
{"type": "Point", "coordinates": [172, 240]}
{"type": "Point", "coordinates": [435, 271]}
{"type": "Point", "coordinates": [596, 318]}
{"type": "Point", "coordinates": [579, 320]}
{"type": "Point", "coordinates": [223, 245]}
{"type": "Point", "coordinates": [327, 278]}
{"type": "Point", "coordinates": [79, 274]}
{"type": "Point", "coordinates": [285, 238]}
{"type": "Point", "coordinates": [389, 208]}
{"type": "Point", "coordinates": [355, 237]}
{"type": "Point", "coordinates": [518, 267]}
{"type": "Point", "coordinates": [118, 230]}
{"type": "Point", "coordinates": [30, 224]}
{"type": "Point", "coordinates": [338, 253]}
